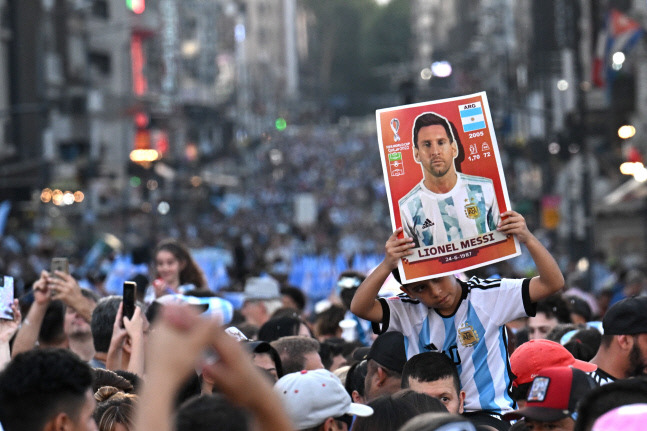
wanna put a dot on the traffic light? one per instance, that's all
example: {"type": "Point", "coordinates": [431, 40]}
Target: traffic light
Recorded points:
{"type": "Point", "coordinates": [280, 124]}
{"type": "Point", "coordinates": [137, 6]}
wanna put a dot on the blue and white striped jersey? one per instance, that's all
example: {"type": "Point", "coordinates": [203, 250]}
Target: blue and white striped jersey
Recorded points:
{"type": "Point", "coordinates": [467, 210]}
{"type": "Point", "coordinates": [474, 337]}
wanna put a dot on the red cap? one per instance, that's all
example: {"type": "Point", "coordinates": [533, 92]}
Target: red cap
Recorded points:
{"type": "Point", "coordinates": [533, 356]}
{"type": "Point", "coordinates": [554, 395]}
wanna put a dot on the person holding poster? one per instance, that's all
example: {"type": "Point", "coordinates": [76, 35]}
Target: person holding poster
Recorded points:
{"type": "Point", "coordinates": [446, 205]}
{"type": "Point", "coordinates": [464, 320]}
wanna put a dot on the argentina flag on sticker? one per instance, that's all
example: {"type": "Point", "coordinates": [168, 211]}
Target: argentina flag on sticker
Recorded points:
{"type": "Point", "coordinates": [472, 116]}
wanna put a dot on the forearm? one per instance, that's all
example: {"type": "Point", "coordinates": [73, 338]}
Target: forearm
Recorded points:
{"type": "Point", "coordinates": [136, 363]}
{"type": "Point", "coordinates": [5, 354]}
{"type": "Point", "coordinates": [113, 357]}
{"type": "Point", "coordinates": [27, 335]}
{"type": "Point", "coordinates": [85, 307]}
{"type": "Point", "coordinates": [365, 304]}
{"type": "Point", "coordinates": [156, 402]}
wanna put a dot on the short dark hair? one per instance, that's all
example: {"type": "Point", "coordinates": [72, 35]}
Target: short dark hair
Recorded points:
{"type": "Point", "coordinates": [292, 351]}
{"type": "Point", "coordinates": [327, 322]}
{"type": "Point", "coordinates": [555, 306]}
{"type": "Point", "coordinates": [208, 412]}
{"type": "Point", "coordinates": [52, 330]}
{"type": "Point", "coordinates": [40, 383]}
{"type": "Point", "coordinates": [429, 367]}
{"type": "Point", "coordinates": [607, 397]}
{"type": "Point", "coordinates": [278, 327]}
{"type": "Point", "coordinates": [103, 319]}
{"type": "Point", "coordinates": [296, 295]}
{"type": "Point", "coordinates": [390, 412]}
{"type": "Point", "coordinates": [432, 119]}
{"type": "Point", "coordinates": [329, 349]}
{"type": "Point", "coordinates": [432, 421]}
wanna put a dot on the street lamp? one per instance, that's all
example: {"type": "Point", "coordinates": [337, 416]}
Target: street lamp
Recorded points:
{"type": "Point", "coordinates": [627, 131]}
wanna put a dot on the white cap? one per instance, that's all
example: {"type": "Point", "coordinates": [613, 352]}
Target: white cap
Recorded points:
{"type": "Point", "coordinates": [262, 288]}
{"type": "Point", "coordinates": [311, 397]}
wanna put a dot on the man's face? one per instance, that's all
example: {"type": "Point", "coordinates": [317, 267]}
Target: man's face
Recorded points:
{"type": "Point", "coordinates": [441, 293]}
{"type": "Point", "coordinates": [74, 324]}
{"type": "Point", "coordinates": [540, 325]}
{"type": "Point", "coordinates": [442, 389]}
{"type": "Point", "coordinates": [638, 356]}
{"type": "Point", "coordinates": [566, 424]}
{"type": "Point", "coordinates": [435, 151]}
{"type": "Point", "coordinates": [85, 420]}
{"type": "Point", "coordinates": [264, 361]}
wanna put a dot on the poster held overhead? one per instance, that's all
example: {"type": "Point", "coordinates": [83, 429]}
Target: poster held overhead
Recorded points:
{"type": "Point", "coordinates": [445, 185]}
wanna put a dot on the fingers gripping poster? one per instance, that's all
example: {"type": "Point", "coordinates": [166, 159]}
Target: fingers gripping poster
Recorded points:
{"type": "Point", "coordinates": [445, 185]}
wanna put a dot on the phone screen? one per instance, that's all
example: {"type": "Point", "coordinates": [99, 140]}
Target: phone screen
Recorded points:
{"type": "Point", "coordinates": [129, 299]}
{"type": "Point", "coordinates": [59, 264]}
{"type": "Point", "coordinates": [6, 297]}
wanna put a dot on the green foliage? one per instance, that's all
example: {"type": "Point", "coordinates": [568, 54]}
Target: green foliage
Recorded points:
{"type": "Point", "coordinates": [352, 43]}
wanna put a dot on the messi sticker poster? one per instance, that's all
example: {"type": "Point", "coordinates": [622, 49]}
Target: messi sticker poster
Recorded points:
{"type": "Point", "coordinates": [445, 185]}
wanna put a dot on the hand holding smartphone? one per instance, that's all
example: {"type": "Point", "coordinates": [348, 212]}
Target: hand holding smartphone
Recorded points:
{"type": "Point", "coordinates": [59, 264]}
{"type": "Point", "coordinates": [129, 299]}
{"type": "Point", "coordinates": [6, 297]}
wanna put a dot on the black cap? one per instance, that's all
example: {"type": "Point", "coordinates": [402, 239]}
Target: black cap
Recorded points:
{"type": "Point", "coordinates": [626, 317]}
{"type": "Point", "coordinates": [388, 351]}
{"type": "Point", "coordinates": [258, 346]}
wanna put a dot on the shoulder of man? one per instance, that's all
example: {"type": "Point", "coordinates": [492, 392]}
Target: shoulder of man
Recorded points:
{"type": "Point", "coordinates": [475, 179]}
{"type": "Point", "coordinates": [411, 195]}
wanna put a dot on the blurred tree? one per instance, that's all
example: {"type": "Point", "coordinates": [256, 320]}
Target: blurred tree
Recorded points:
{"type": "Point", "coordinates": [350, 45]}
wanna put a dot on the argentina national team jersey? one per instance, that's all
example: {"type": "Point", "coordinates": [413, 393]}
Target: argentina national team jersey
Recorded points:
{"type": "Point", "coordinates": [474, 337]}
{"type": "Point", "coordinates": [467, 210]}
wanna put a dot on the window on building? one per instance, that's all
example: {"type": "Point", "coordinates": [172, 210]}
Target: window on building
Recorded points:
{"type": "Point", "coordinates": [100, 9]}
{"type": "Point", "coordinates": [100, 61]}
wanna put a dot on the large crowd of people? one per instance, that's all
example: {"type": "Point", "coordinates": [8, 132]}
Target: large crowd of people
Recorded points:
{"type": "Point", "coordinates": [451, 353]}
{"type": "Point", "coordinates": [249, 320]}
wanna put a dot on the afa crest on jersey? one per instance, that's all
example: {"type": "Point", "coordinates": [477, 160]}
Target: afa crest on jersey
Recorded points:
{"type": "Point", "coordinates": [467, 335]}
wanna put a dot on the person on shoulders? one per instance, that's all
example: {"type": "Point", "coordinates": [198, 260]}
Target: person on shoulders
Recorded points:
{"type": "Point", "coordinates": [464, 320]}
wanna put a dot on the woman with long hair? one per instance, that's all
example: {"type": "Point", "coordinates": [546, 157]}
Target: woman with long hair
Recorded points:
{"type": "Point", "coordinates": [174, 271]}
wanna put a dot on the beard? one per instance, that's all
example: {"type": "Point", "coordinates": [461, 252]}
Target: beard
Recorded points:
{"type": "Point", "coordinates": [636, 361]}
{"type": "Point", "coordinates": [439, 172]}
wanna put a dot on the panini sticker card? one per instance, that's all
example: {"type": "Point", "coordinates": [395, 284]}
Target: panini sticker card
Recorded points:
{"type": "Point", "coordinates": [445, 185]}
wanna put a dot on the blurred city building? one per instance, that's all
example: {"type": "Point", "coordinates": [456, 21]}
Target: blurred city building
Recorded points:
{"type": "Point", "coordinates": [193, 107]}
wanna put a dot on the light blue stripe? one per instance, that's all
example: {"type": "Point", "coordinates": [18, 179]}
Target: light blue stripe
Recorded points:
{"type": "Point", "coordinates": [504, 358]}
{"type": "Point", "coordinates": [406, 347]}
{"type": "Point", "coordinates": [474, 126]}
{"type": "Point", "coordinates": [472, 111]}
{"type": "Point", "coordinates": [424, 337]}
{"type": "Point", "coordinates": [482, 375]}
{"type": "Point", "coordinates": [450, 341]}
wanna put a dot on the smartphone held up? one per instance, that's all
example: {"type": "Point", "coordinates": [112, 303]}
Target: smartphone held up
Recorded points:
{"type": "Point", "coordinates": [6, 297]}
{"type": "Point", "coordinates": [129, 299]}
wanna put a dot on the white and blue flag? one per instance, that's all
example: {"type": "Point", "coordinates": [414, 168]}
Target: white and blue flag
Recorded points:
{"type": "Point", "coordinates": [472, 116]}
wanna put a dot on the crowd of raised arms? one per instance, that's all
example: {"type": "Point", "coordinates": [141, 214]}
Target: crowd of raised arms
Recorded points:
{"type": "Point", "coordinates": [470, 351]}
